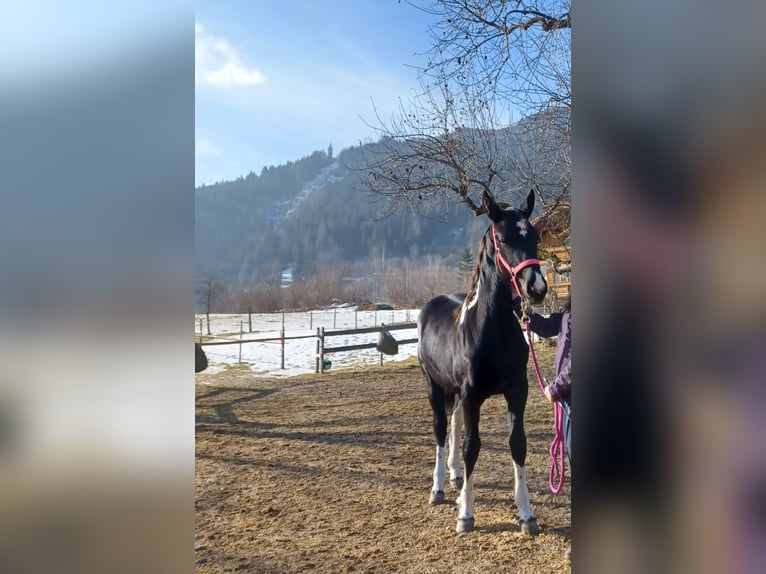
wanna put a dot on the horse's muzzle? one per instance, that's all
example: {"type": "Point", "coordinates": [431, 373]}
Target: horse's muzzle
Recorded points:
{"type": "Point", "coordinates": [534, 285]}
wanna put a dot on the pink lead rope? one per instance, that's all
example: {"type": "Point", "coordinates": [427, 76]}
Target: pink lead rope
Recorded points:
{"type": "Point", "coordinates": [558, 467]}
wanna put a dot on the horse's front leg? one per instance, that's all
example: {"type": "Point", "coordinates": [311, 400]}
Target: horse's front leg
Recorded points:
{"type": "Point", "coordinates": [471, 447]}
{"type": "Point", "coordinates": [518, 443]}
{"type": "Point", "coordinates": [436, 399]}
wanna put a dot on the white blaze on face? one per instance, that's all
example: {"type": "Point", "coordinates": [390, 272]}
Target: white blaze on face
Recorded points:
{"type": "Point", "coordinates": [539, 283]}
{"type": "Point", "coordinates": [522, 225]}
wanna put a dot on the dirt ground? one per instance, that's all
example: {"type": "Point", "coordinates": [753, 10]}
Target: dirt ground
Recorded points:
{"type": "Point", "coordinates": [331, 473]}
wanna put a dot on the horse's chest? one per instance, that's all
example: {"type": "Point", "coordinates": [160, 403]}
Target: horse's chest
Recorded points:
{"type": "Point", "coordinates": [490, 373]}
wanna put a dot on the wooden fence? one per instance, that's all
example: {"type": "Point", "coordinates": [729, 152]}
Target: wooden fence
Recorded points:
{"type": "Point", "coordinates": [312, 317]}
{"type": "Point", "coordinates": [322, 350]}
{"type": "Point", "coordinates": [321, 335]}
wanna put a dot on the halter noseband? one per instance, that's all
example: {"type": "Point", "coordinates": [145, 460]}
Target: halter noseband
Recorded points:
{"type": "Point", "coordinates": [512, 271]}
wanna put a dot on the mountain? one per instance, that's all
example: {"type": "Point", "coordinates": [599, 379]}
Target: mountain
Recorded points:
{"type": "Point", "coordinates": [310, 214]}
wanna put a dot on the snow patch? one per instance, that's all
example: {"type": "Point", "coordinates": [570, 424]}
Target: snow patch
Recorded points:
{"type": "Point", "coordinates": [324, 177]}
{"type": "Point", "coordinates": [300, 354]}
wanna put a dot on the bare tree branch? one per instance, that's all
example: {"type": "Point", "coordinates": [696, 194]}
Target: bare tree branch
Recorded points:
{"type": "Point", "coordinates": [491, 62]}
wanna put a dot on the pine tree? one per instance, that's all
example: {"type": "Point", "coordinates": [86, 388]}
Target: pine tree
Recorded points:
{"type": "Point", "coordinates": [465, 266]}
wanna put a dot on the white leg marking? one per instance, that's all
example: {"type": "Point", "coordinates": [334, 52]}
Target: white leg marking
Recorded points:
{"type": "Point", "coordinates": [521, 493]}
{"type": "Point", "coordinates": [471, 303]}
{"type": "Point", "coordinates": [466, 499]}
{"type": "Point", "coordinates": [439, 470]}
{"type": "Point", "coordinates": [453, 462]}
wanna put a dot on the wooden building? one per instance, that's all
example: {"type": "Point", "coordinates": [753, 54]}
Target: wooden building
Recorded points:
{"type": "Point", "coordinates": [555, 253]}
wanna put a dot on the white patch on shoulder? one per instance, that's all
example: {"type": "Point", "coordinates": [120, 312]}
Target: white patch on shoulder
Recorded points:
{"type": "Point", "coordinates": [471, 303]}
{"type": "Point", "coordinates": [522, 225]}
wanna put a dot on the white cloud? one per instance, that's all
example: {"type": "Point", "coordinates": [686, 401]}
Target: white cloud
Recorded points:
{"type": "Point", "coordinates": [217, 63]}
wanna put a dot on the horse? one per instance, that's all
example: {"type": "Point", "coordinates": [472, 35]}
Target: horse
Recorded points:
{"type": "Point", "coordinates": [471, 347]}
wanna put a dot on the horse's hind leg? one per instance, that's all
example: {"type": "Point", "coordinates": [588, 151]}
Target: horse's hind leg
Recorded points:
{"type": "Point", "coordinates": [471, 447]}
{"type": "Point", "coordinates": [453, 460]}
{"type": "Point", "coordinates": [518, 444]}
{"type": "Point", "coordinates": [437, 400]}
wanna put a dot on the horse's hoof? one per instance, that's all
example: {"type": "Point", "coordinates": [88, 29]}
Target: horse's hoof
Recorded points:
{"type": "Point", "coordinates": [456, 483]}
{"type": "Point", "coordinates": [437, 497]}
{"type": "Point", "coordinates": [530, 526]}
{"type": "Point", "coordinates": [464, 525]}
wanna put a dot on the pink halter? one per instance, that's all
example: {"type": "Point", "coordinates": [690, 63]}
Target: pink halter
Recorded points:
{"type": "Point", "coordinates": [512, 271]}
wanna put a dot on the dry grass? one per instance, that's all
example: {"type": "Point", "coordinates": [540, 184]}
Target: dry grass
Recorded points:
{"type": "Point", "coordinates": [331, 473]}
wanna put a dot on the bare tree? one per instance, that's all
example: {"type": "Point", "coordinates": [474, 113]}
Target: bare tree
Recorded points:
{"type": "Point", "coordinates": [517, 51]}
{"type": "Point", "coordinates": [492, 112]}
{"type": "Point", "coordinates": [209, 290]}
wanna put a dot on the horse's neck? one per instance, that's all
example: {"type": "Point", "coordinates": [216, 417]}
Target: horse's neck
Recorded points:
{"type": "Point", "coordinates": [494, 306]}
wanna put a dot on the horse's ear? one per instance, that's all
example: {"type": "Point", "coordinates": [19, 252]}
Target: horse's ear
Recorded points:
{"type": "Point", "coordinates": [489, 206]}
{"type": "Point", "coordinates": [528, 205]}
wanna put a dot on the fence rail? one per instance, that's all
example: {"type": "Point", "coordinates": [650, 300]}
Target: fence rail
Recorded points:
{"type": "Point", "coordinates": [322, 350]}
{"type": "Point", "coordinates": [337, 317]}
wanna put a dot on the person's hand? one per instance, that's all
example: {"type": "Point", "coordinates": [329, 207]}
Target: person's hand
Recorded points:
{"type": "Point", "coordinates": [547, 392]}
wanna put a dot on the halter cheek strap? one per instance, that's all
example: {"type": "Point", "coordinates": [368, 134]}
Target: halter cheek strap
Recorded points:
{"type": "Point", "coordinates": [512, 271]}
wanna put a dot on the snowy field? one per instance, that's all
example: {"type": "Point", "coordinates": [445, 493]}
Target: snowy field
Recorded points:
{"type": "Point", "coordinates": [264, 358]}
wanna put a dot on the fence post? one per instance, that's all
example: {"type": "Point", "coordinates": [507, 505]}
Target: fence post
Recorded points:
{"type": "Point", "coordinates": [283, 320]}
{"type": "Point", "coordinates": [356, 312]}
{"type": "Point", "coordinates": [249, 319]}
{"type": "Point", "coordinates": [376, 317]}
{"type": "Point", "coordinates": [334, 316]}
{"type": "Point", "coordinates": [208, 322]}
{"type": "Point", "coordinates": [316, 357]}
{"type": "Point", "coordinates": [381, 359]}
{"type": "Point", "coordinates": [240, 341]}
{"type": "Point", "coordinates": [393, 316]}
{"type": "Point", "coordinates": [321, 349]}
{"type": "Point", "coordinates": [311, 322]}
{"type": "Point", "coordinates": [282, 337]}
{"type": "Point", "coordinates": [200, 327]}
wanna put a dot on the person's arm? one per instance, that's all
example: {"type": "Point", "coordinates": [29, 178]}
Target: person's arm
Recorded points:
{"type": "Point", "coordinates": [561, 387]}
{"type": "Point", "coordinates": [545, 326]}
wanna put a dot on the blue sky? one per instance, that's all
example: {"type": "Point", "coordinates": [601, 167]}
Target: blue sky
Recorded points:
{"type": "Point", "coordinates": [276, 80]}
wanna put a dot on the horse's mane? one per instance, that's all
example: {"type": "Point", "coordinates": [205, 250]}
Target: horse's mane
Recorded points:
{"type": "Point", "coordinates": [474, 278]}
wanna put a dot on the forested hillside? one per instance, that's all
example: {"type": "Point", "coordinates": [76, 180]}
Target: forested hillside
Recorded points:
{"type": "Point", "coordinates": [312, 215]}
{"type": "Point", "coordinates": [309, 215]}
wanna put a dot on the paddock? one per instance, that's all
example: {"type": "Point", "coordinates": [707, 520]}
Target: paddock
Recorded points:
{"type": "Point", "coordinates": [332, 473]}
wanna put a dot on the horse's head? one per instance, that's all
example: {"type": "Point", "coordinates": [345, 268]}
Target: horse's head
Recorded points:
{"type": "Point", "coordinates": [515, 246]}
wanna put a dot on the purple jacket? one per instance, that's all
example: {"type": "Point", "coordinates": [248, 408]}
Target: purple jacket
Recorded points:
{"type": "Point", "coordinates": [557, 324]}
